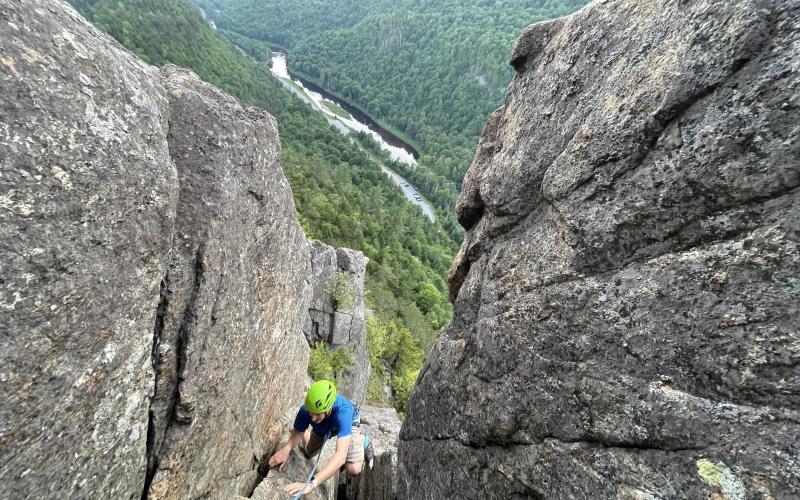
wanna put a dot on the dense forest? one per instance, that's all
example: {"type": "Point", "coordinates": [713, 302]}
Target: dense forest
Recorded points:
{"type": "Point", "coordinates": [342, 197]}
{"type": "Point", "coordinates": [432, 70]}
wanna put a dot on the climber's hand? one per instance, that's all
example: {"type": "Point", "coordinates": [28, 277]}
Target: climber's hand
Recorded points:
{"type": "Point", "coordinates": [299, 488]}
{"type": "Point", "coordinates": [280, 457]}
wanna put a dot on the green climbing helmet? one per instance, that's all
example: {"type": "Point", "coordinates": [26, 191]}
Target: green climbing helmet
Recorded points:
{"type": "Point", "coordinates": [320, 396]}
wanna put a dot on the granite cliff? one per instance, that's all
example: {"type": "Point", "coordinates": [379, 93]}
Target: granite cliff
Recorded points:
{"type": "Point", "coordinates": [626, 298]}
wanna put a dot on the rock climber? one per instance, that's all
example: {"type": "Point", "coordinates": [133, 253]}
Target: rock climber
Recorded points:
{"type": "Point", "coordinates": [328, 415]}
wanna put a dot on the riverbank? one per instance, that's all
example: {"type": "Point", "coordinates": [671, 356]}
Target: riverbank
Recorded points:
{"type": "Point", "coordinates": [389, 133]}
{"type": "Point", "coordinates": [355, 123]}
{"type": "Point", "coordinates": [398, 137]}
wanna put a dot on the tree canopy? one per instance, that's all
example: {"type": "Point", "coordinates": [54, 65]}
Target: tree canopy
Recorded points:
{"type": "Point", "coordinates": [434, 70]}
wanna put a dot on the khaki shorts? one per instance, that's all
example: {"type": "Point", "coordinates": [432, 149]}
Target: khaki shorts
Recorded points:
{"type": "Point", "coordinates": [355, 452]}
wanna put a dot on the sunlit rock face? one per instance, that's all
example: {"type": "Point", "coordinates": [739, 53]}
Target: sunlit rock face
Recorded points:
{"type": "Point", "coordinates": [627, 297]}
{"type": "Point", "coordinates": [153, 273]}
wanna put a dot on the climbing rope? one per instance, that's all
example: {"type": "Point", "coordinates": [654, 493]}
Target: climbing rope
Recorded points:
{"type": "Point", "coordinates": [313, 469]}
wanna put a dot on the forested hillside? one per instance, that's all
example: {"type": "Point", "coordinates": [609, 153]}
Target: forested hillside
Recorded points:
{"type": "Point", "coordinates": [287, 23]}
{"type": "Point", "coordinates": [342, 197]}
{"type": "Point", "coordinates": [431, 69]}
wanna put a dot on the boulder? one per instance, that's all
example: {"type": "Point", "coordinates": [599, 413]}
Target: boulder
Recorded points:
{"type": "Point", "coordinates": [626, 297]}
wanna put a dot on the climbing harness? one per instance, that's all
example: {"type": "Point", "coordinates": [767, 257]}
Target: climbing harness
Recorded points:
{"type": "Point", "coordinates": [313, 469]}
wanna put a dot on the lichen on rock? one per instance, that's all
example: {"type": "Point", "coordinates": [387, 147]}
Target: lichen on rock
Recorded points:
{"type": "Point", "coordinates": [721, 476]}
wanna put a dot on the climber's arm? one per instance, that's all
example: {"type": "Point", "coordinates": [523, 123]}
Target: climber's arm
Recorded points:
{"type": "Point", "coordinates": [335, 463]}
{"type": "Point", "coordinates": [282, 455]}
{"type": "Point", "coordinates": [328, 470]}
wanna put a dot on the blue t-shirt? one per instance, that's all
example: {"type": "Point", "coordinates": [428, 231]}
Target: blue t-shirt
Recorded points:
{"type": "Point", "coordinates": [339, 423]}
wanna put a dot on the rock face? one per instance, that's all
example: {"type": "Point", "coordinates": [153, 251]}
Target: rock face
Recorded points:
{"type": "Point", "coordinates": [87, 194]}
{"type": "Point", "coordinates": [232, 359]}
{"type": "Point", "coordinates": [153, 273]}
{"type": "Point", "coordinates": [296, 470]}
{"type": "Point", "coordinates": [340, 325]}
{"type": "Point", "coordinates": [627, 298]}
{"type": "Point", "coordinates": [378, 480]}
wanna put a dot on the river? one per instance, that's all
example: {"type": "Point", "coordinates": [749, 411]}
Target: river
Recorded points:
{"type": "Point", "coordinates": [348, 119]}
{"type": "Point", "coordinates": [207, 19]}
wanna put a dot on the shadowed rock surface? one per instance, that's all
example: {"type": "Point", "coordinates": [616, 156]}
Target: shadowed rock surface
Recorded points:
{"type": "Point", "coordinates": [153, 273]}
{"type": "Point", "coordinates": [338, 326]}
{"type": "Point", "coordinates": [378, 481]}
{"type": "Point", "coordinates": [627, 295]}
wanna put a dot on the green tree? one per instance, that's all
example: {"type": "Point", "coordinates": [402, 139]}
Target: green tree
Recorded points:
{"type": "Point", "coordinates": [329, 364]}
{"type": "Point", "coordinates": [340, 289]}
{"type": "Point", "coordinates": [428, 297]}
